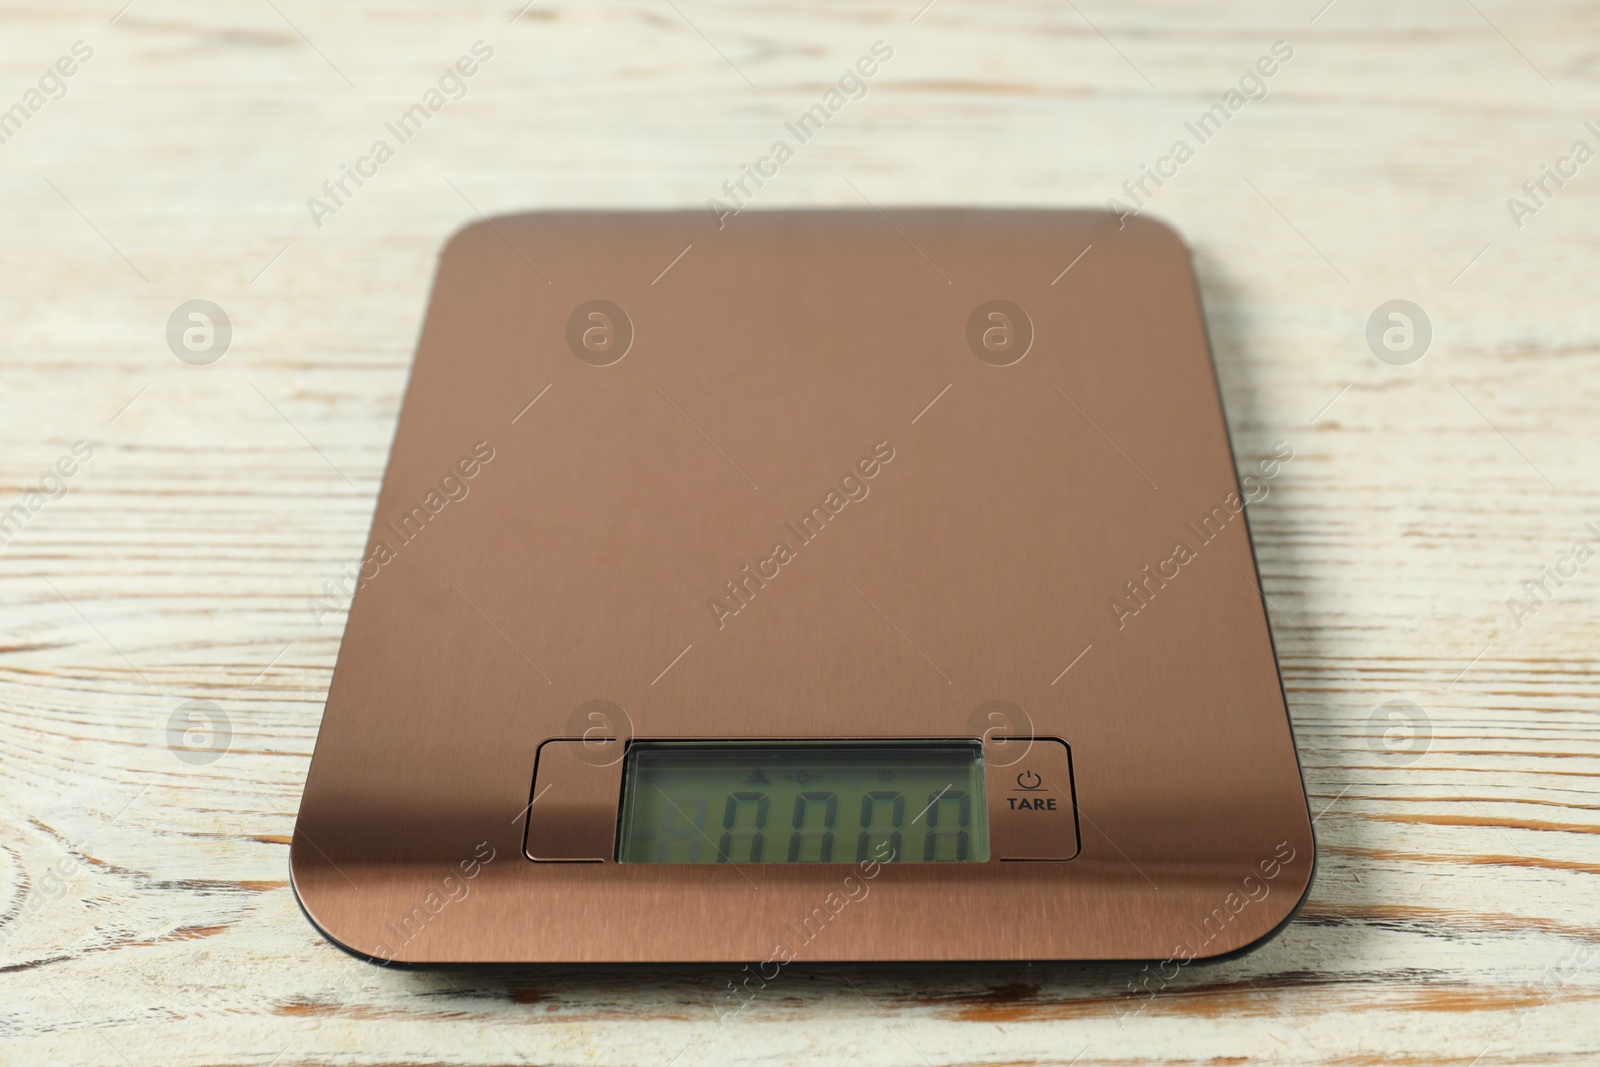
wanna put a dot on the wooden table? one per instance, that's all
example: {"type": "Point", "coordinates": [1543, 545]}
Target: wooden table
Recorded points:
{"type": "Point", "coordinates": [145, 916]}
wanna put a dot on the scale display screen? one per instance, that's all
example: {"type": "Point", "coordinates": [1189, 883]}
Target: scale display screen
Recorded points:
{"type": "Point", "coordinates": [841, 802]}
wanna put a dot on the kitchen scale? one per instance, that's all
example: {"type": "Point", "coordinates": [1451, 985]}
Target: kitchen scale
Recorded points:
{"type": "Point", "coordinates": [802, 587]}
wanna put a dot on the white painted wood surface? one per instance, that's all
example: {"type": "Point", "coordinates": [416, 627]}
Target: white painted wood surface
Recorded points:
{"type": "Point", "coordinates": [144, 912]}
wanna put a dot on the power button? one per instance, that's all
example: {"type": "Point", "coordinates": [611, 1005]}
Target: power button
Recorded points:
{"type": "Point", "coordinates": [1031, 816]}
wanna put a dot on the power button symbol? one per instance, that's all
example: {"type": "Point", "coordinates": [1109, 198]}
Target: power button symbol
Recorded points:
{"type": "Point", "coordinates": [1029, 780]}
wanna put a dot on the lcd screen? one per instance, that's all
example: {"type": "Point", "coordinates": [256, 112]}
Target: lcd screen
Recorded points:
{"type": "Point", "coordinates": [803, 802]}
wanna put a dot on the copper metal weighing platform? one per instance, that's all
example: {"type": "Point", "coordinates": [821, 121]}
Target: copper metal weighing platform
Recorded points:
{"type": "Point", "coordinates": [819, 586]}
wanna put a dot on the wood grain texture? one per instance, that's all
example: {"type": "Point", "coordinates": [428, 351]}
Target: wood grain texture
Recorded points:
{"type": "Point", "coordinates": [144, 912]}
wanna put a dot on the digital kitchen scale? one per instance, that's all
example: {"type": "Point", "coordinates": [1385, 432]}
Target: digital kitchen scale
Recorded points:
{"type": "Point", "coordinates": [807, 586]}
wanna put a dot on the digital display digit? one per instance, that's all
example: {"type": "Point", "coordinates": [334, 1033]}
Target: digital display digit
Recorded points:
{"type": "Point", "coordinates": [766, 802]}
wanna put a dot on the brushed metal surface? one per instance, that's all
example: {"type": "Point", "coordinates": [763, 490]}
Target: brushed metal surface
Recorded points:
{"type": "Point", "coordinates": [957, 525]}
